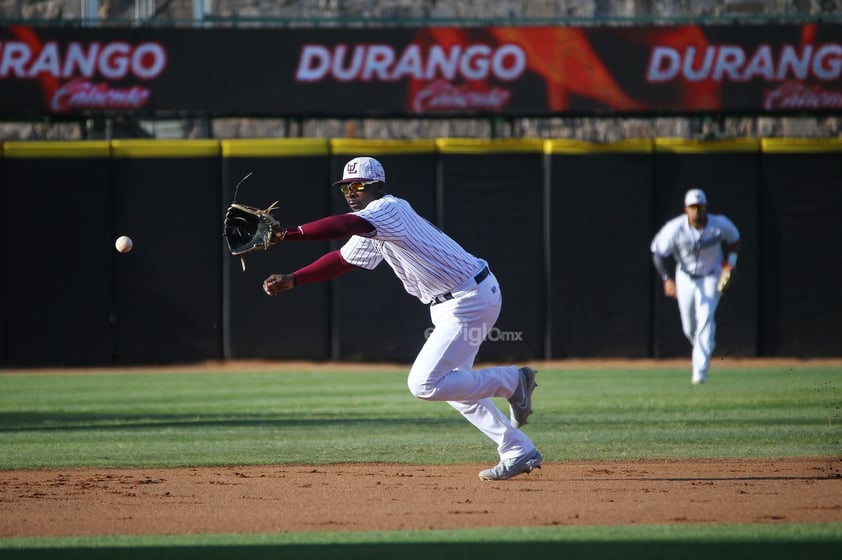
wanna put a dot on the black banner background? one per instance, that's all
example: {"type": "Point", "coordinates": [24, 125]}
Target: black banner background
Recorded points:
{"type": "Point", "coordinates": [433, 71]}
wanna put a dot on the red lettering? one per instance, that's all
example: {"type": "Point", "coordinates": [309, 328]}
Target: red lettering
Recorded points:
{"type": "Point", "coordinates": [792, 95]}
{"type": "Point", "coordinates": [443, 96]}
{"type": "Point", "coordinates": [80, 94]}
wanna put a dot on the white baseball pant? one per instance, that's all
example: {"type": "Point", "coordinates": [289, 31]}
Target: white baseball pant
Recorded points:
{"type": "Point", "coordinates": [697, 303]}
{"type": "Point", "coordinates": [442, 370]}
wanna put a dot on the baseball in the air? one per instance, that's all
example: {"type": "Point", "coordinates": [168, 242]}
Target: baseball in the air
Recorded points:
{"type": "Point", "coordinates": [124, 244]}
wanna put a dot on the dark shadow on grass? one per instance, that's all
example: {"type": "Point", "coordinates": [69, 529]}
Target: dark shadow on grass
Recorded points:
{"type": "Point", "coordinates": [654, 550]}
{"type": "Point", "coordinates": [47, 422]}
{"type": "Point", "coordinates": [50, 421]}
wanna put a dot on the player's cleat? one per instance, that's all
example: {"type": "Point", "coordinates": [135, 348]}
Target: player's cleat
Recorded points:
{"type": "Point", "coordinates": [520, 404]}
{"type": "Point", "coordinates": [507, 469]}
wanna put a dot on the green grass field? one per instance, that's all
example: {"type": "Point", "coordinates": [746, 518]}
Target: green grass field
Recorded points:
{"type": "Point", "coordinates": [160, 418]}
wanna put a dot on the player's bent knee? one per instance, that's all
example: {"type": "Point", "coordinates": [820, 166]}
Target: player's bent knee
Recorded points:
{"type": "Point", "coordinates": [422, 386]}
{"type": "Point", "coordinates": [421, 391]}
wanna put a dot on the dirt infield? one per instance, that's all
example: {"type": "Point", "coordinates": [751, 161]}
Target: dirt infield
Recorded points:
{"type": "Point", "coordinates": [277, 499]}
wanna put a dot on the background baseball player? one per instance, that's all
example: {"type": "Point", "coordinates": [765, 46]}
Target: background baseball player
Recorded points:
{"type": "Point", "coordinates": [464, 298]}
{"type": "Point", "coordinates": [698, 242]}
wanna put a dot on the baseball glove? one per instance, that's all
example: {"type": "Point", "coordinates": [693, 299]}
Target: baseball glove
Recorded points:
{"type": "Point", "coordinates": [250, 229]}
{"type": "Point", "coordinates": [724, 279]}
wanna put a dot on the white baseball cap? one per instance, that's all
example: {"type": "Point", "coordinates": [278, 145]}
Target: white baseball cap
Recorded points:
{"type": "Point", "coordinates": [362, 169]}
{"type": "Point", "coordinates": [695, 196]}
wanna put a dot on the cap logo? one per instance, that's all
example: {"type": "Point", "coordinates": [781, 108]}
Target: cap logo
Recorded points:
{"type": "Point", "coordinates": [363, 168]}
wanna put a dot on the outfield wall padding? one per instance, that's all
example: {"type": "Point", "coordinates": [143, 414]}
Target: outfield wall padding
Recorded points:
{"type": "Point", "coordinates": [292, 325]}
{"type": "Point", "coordinates": [58, 254]}
{"type": "Point", "coordinates": [599, 291]}
{"type": "Point", "coordinates": [564, 225]}
{"type": "Point", "coordinates": [167, 289]}
{"type": "Point", "coordinates": [800, 248]}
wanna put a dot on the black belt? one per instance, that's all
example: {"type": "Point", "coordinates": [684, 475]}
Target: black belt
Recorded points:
{"type": "Point", "coordinates": [695, 276]}
{"type": "Point", "coordinates": [482, 275]}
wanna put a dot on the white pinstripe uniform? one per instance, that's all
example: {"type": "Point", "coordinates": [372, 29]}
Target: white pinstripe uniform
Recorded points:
{"type": "Point", "coordinates": [698, 256]}
{"type": "Point", "coordinates": [430, 264]}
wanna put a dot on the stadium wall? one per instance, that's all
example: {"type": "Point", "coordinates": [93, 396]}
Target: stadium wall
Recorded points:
{"type": "Point", "coordinates": [565, 225]}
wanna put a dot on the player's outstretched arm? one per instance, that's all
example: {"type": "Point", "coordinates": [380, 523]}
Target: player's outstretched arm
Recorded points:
{"type": "Point", "coordinates": [340, 226]}
{"type": "Point", "coordinates": [278, 283]}
{"type": "Point", "coordinates": [329, 265]}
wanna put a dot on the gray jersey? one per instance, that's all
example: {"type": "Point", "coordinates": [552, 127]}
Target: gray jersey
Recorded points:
{"type": "Point", "coordinates": [696, 252]}
{"type": "Point", "coordinates": [425, 259]}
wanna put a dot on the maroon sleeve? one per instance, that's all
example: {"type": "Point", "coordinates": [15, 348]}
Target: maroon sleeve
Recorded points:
{"type": "Point", "coordinates": [329, 265]}
{"type": "Point", "coordinates": [340, 226]}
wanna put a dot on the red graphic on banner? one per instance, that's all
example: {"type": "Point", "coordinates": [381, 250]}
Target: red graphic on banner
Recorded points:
{"type": "Point", "coordinates": [27, 36]}
{"type": "Point", "coordinates": [571, 72]}
{"type": "Point", "coordinates": [700, 93]}
{"type": "Point", "coordinates": [563, 57]}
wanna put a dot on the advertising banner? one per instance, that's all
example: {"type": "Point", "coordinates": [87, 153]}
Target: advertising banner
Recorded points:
{"type": "Point", "coordinates": [420, 71]}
